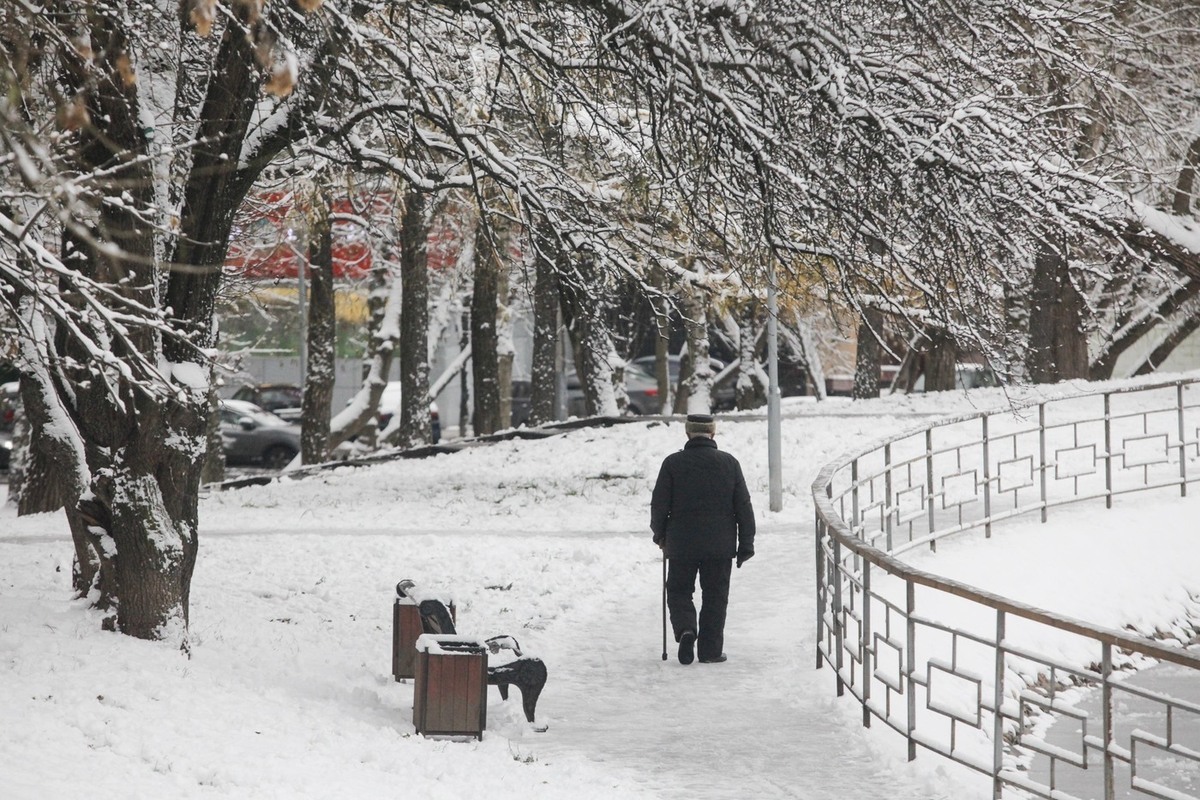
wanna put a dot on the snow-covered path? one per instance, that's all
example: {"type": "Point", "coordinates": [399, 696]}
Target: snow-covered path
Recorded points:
{"type": "Point", "coordinates": [765, 724]}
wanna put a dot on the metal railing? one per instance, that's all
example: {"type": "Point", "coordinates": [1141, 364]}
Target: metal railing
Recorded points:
{"type": "Point", "coordinates": [977, 677]}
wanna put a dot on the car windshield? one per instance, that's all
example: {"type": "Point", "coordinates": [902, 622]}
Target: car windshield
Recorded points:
{"type": "Point", "coordinates": [638, 370]}
{"type": "Point", "coordinates": [233, 415]}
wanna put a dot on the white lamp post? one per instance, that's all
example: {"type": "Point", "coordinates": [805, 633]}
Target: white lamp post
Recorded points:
{"type": "Point", "coordinates": [774, 444]}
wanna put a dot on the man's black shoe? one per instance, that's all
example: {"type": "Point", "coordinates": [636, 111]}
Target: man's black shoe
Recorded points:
{"type": "Point", "coordinates": [716, 660]}
{"type": "Point", "coordinates": [687, 641]}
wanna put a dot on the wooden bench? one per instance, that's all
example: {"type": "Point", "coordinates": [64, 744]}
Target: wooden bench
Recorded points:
{"type": "Point", "coordinates": [436, 616]}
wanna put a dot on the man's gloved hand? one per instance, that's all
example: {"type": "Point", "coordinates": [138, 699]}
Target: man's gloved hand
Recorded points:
{"type": "Point", "coordinates": [658, 540]}
{"type": "Point", "coordinates": [743, 557]}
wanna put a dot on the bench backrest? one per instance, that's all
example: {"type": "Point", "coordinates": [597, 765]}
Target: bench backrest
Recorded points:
{"type": "Point", "coordinates": [436, 618]}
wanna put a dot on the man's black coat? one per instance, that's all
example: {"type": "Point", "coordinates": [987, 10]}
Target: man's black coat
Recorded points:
{"type": "Point", "coordinates": [701, 504]}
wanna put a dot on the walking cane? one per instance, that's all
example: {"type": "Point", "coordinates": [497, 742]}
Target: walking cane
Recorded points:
{"type": "Point", "coordinates": [664, 604]}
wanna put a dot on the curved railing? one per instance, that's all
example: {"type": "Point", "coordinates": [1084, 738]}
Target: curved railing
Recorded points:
{"type": "Point", "coordinates": [977, 677]}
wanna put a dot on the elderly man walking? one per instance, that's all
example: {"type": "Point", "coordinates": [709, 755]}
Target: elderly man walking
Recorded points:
{"type": "Point", "coordinates": [701, 516]}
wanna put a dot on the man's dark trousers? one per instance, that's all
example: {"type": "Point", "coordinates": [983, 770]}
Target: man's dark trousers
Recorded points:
{"type": "Point", "coordinates": [714, 599]}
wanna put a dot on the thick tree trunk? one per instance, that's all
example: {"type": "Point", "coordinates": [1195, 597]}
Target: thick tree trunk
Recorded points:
{"type": "Point", "coordinates": [544, 377]}
{"type": "Point", "coordinates": [1057, 342]}
{"type": "Point", "coordinates": [485, 365]}
{"type": "Point", "coordinates": [593, 348]}
{"type": "Point", "coordinates": [868, 355]}
{"type": "Point", "coordinates": [129, 452]}
{"type": "Point", "coordinates": [133, 496]}
{"type": "Point", "coordinates": [941, 361]}
{"type": "Point", "coordinates": [45, 485]}
{"type": "Point", "coordinates": [414, 323]}
{"type": "Point", "coordinates": [317, 402]}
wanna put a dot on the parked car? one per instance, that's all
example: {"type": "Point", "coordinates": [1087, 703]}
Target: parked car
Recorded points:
{"type": "Point", "coordinates": [724, 394]}
{"type": "Point", "coordinates": [252, 435]}
{"type": "Point", "coordinates": [282, 399]}
{"type": "Point", "coordinates": [389, 406]}
{"type": "Point", "coordinates": [640, 386]}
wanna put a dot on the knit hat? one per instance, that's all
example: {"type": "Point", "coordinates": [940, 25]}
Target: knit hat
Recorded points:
{"type": "Point", "coordinates": [700, 423]}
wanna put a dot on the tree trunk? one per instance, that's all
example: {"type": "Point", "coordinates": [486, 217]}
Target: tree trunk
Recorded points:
{"type": "Point", "coordinates": [662, 374]}
{"type": "Point", "coordinates": [44, 486]}
{"type": "Point", "coordinates": [806, 347]}
{"type": "Point", "coordinates": [317, 402]}
{"type": "Point", "coordinates": [868, 359]}
{"type": "Point", "coordinates": [696, 389]}
{"type": "Point", "coordinates": [213, 470]}
{"type": "Point", "coordinates": [751, 391]}
{"type": "Point", "coordinates": [662, 346]}
{"type": "Point", "coordinates": [1185, 185]}
{"type": "Point", "coordinates": [941, 361]}
{"type": "Point", "coordinates": [594, 352]}
{"type": "Point", "coordinates": [505, 349]}
{"type": "Point", "coordinates": [544, 375]}
{"type": "Point", "coordinates": [485, 364]}
{"type": "Point", "coordinates": [1057, 343]}
{"type": "Point", "coordinates": [414, 323]}
{"type": "Point", "coordinates": [360, 418]}
{"type": "Point", "coordinates": [464, 394]}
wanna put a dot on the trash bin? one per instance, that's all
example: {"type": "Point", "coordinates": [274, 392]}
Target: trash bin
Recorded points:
{"type": "Point", "coordinates": [450, 693]}
{"type": "Point", "coordinates": [406, 627]}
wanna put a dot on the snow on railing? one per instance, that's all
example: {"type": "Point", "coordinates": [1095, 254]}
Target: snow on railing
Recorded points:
{"type": "Point", "coordinates": [977, 677]}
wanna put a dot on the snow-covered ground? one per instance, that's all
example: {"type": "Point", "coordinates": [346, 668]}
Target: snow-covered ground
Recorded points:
{"type": "Point", "coordinates": [288, 691]}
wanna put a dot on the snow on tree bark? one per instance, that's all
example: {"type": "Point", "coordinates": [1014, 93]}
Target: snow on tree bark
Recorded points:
{"type": "Point", "coordinates": [485, 366]}
{"type": "Point", "coordinates": [751, 389]}
{"type": "Point", "coordinates": [544, 371]}
{"type": "Point", "coordinates": [868, 355]}
{"type": "Point", "coordinates": [414, 322]}
{"type": "Point", "coordinates": [1057, 343]}
{"type": "Point", "coordinates": [695, 388]}
{"type": "Point", "coordinates": [317, 399]}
